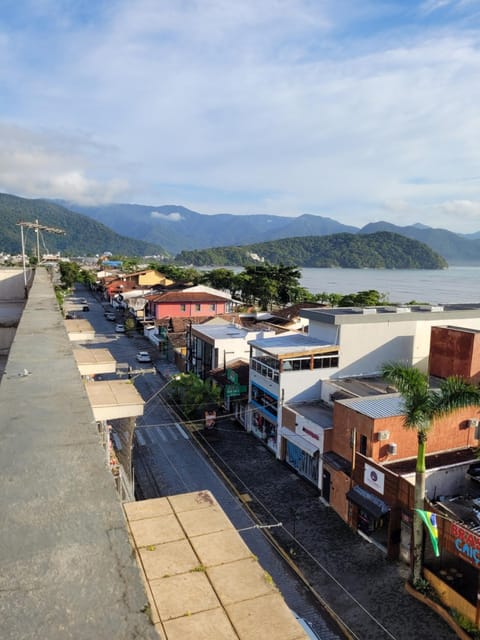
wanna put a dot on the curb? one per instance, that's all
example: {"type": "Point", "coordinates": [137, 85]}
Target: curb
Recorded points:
{"type": "Point", "coordinates": [439, 610]}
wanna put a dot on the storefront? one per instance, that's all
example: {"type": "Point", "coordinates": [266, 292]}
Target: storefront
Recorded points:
{"type": "Point", "coordinates": [371, 515]}
{"type": "Point", "coordinates": [265, 429]}
{"type": "Point", "coordinates": [455, 572]}
{"type": "Point", "coordinates": [301, 455]}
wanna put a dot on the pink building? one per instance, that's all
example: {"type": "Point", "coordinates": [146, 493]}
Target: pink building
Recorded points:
{"type": "Point", "coordinates": [186, 304]}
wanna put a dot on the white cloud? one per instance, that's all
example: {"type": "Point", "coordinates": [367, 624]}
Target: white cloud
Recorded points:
{"type": "Point", "coordinates": [171, 217]}
{"type": "Point", "coordinates": [279, 106]}
{"type": "Point", "coordinates": [50, 165]}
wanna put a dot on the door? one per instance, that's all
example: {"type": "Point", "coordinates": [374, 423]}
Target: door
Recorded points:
{"type": "Point", "coordinates": [326, 485]}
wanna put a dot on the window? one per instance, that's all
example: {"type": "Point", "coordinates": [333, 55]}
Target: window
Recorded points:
{"type": "Point", "coordinates": [213, 306]}
{"type": "Point", "coordinates": [183, 307]}
{"type": "Point", "coordinates": [263, 399]}
{"type": "Point", "coordinates": [363, 445]}
{"type": "Point", "coordinates": [326, 361]}
{"type": "Point", "coordinates": [197, 307]}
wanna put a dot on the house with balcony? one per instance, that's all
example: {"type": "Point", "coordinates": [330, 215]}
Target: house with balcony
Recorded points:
{"type": "Point", "coordinates": [285, 369]}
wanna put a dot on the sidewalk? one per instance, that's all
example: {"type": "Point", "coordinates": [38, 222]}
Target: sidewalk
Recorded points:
{"type": "Point", "coordinates": [351, 575]}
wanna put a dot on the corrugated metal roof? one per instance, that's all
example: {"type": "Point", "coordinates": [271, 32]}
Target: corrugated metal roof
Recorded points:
{"type": "Point", "coordinates": [384, 406]}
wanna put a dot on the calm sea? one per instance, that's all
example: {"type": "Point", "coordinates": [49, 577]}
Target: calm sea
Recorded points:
{"type": "Point", "coordinates": [455, 284]}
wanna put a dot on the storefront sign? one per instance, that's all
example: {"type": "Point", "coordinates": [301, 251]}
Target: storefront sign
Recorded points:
{"type": "Point", "coordinates": [232, 376]}
{"type": "Point", "coordinates": [374, 478]}
{"type": "Point", "coordinates": [467, 543]}
{"type": "Point", "coordinates": [234, 390]}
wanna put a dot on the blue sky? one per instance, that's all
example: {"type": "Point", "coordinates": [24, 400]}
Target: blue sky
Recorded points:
{"type": "Point", "coordinates": [356, 110]}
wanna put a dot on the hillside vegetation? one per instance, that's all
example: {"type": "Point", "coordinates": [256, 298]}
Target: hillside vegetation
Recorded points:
{"type": "Point", "coordinates": [84, 236]}
{"type": "Point", "coordinates": [382, 250]}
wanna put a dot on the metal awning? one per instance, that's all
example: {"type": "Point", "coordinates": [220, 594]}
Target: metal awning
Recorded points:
{"type": "Point", "coordinates": [373, 505]}
{"type": "Point", "coordinates": [299, 441]}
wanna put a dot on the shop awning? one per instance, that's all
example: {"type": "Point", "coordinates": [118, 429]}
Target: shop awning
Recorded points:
{"type": "Point", "coordinates": [299, 441]}
{"type": "Point", "coordinates": [373, 505]}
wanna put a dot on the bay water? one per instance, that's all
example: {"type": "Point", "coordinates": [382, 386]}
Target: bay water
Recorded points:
{"type": "Point", "coordinates": [452, 285]}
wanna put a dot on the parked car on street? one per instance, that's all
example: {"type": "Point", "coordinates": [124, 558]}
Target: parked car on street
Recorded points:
{"type": "Point", "coordinates": [109, 315]}
{"type": "Point", "coordinates": [85, 307]}
{"type": "Point", "coordinates": [143, 356]}
{"type": "Point", "coordinates": [120, 328]}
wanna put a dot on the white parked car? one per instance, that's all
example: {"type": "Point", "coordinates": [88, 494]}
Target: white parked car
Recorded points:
{"type": "Point", "coordinates": [143, 356]}
{"type": "Point", "coordinates": [120, 328]}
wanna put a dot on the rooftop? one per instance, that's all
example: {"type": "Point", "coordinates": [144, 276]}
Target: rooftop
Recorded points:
{"type": "Point", "coordinates": [287, 343]}
{"type": "Point", "coordinates": [354, 315]}
{"type": "Point", "coordinates": [317, 412]}
{"type": "Point", "coordinates": [382, 406]}
{"type": "Point", "coordinates": [227, 331]}
{"type": "Point", "coordinates": [202, 580]}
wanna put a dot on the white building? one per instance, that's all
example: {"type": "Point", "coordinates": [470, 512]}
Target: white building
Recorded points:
{"type": "Point", "coordinates": [286, 369]}
{"type": "Point", "coordinates": [216, 343]}
{"type": "Point", "coordinates": [367, 338]}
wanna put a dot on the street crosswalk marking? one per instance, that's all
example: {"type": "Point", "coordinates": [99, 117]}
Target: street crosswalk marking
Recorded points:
{"type": "Point", "coordinates": [185, 435]}
{"type": "Point", "coordinates": [140, 439]}
{"type": "Point", "coordinates": [157, 435]}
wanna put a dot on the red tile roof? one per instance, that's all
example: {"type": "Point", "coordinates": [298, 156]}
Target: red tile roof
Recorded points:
{"type": "Point", "coordinates": [185, 296]}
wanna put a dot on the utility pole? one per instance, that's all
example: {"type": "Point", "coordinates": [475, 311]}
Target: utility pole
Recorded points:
{"type": "Point", "coordinates": [37, 227]}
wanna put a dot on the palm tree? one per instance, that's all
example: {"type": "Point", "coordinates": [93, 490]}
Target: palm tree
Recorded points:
{"type": "Point", "coordinates": [422, 405]}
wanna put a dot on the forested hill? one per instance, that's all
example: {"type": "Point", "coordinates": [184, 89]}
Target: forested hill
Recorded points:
{"type": "Point", "coordinates": [382, 250]}
{"type": "Point", "coordinates": [84, 236]}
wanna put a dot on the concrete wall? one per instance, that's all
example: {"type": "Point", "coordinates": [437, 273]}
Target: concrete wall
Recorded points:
{"type": "Point", "coordinates": [67, 564]}
{"type": "Point", "coordinates": [12, 284]}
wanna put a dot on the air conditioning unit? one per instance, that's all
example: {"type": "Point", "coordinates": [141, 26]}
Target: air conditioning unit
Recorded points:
{"type": "Point", "coordinates": [392, 448]}
{"type": "Point", "coordinates": [383, 435]}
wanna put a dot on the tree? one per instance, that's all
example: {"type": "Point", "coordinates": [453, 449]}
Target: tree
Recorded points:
{"type": "Point", "coordinates": [69, 272]}
{"type": "Point", "coordinates": [194, 395]}
{"type": "Point", "coordinates": [422, 406]}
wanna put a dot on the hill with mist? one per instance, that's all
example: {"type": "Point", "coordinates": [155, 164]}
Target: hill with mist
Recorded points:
{"type": "Point", "coordinates": [84, 235]}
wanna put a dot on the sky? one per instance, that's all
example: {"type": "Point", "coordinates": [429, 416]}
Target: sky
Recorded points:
{"type": "Point", "coordinates": [357, 110]}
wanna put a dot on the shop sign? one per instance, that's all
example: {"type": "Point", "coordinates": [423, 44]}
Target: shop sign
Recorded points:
{"type": "Point", "coordinates": [374, 478]}
{"type": "Point", "coordinates": [234, 390]}
{"type": "Point", "coordinates": [232, 376]}
{"type": "Point", "coordinates": [467, 543]}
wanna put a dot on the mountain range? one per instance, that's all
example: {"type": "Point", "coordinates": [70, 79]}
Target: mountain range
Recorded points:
{"type": "Point", "coordinates": [83, 234]}
{"type": "Point", "coordinates": [170, 229]}
{"type": "Point", "coordinates": [177, 228]}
